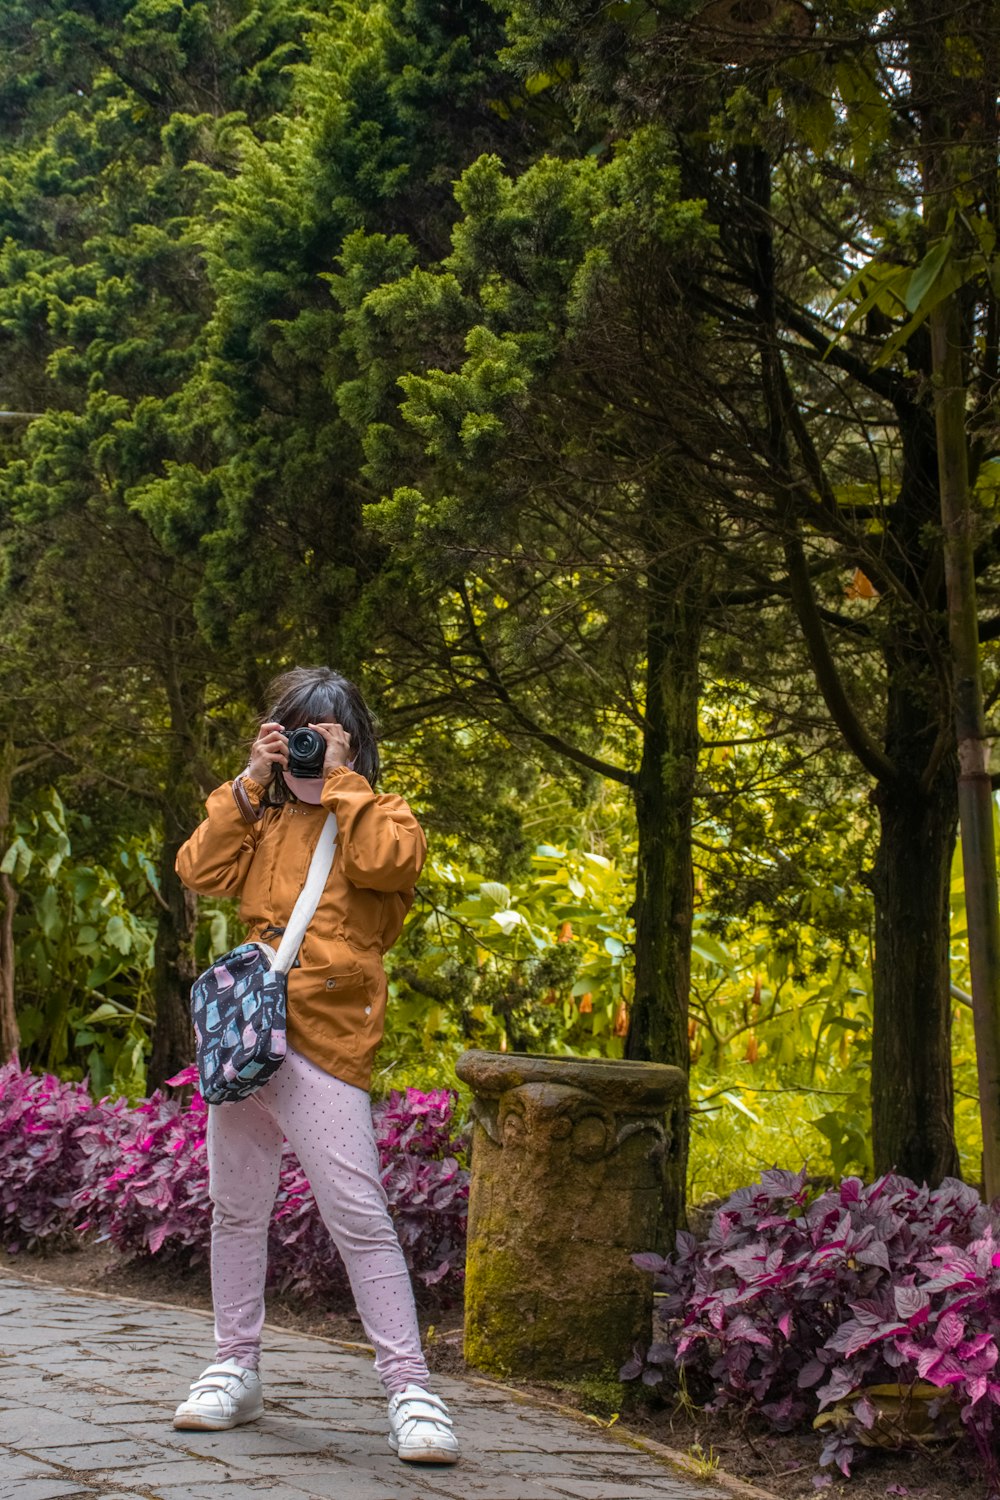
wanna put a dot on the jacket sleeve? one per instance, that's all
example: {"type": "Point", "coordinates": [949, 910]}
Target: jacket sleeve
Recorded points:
{"type": "Point", "coordinates": [217, 856]}
{"type": "Point", "coordinates": [381, 844]}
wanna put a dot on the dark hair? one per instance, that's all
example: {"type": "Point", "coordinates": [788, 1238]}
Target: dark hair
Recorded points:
{"type": "Point", "coordinates": [315, 695]}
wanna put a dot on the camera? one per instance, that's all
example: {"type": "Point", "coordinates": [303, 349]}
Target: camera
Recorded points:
{"type": "Point", "coordinates": [306, 752]}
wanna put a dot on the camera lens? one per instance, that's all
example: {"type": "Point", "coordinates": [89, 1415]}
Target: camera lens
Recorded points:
{"type": "Point", "coordinates": [306, 752]}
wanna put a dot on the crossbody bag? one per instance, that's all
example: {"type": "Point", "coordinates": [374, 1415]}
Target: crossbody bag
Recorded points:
{"type": "Point", "coordinates": [239, 1005]}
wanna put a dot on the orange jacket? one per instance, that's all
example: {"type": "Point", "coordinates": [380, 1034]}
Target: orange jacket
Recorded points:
{"type": "Point", "coordinates": [337, 991]}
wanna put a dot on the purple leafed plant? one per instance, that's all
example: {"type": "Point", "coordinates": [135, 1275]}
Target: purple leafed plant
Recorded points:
{"type": "Point", "coordinates": [427, 1187]}
{"type": "Point", "coordinates": [44, 1158]}
{"type": "Point", "coordinates": [155, 1196]}
{"type": "Point", "coordinates": [425, 1184]}
{"type": "Point", "coordinates": [796, 1304]}
{"type": "Point", "coordinates": [138, 1177]}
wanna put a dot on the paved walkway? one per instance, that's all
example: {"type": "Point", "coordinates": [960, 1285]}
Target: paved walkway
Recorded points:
{"type": "Point", "coordinates": [88, 1386]}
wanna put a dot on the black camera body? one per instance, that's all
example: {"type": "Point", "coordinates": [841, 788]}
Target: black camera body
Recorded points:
{"type": "Point", "coordinates": [306, 753]}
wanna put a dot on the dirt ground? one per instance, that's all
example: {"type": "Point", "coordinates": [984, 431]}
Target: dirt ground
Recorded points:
{"type": "Point", "coordinates": [785, 1466]}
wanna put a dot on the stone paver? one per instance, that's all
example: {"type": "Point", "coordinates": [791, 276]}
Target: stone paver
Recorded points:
{"type": "Point", "coordinates": [88, 1386]}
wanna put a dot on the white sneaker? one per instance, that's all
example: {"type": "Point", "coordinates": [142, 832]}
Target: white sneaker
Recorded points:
{"type": "Point", "coordinates": [420, 1428]}
{"type": "Point", "coordinates": [223, 1396]}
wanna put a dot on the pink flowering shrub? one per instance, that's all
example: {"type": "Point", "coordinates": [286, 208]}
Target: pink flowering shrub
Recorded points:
{"type": "Point", "coordinates": [794, 1305]}
{"type": "Point", "coordinates": [138, 1177]}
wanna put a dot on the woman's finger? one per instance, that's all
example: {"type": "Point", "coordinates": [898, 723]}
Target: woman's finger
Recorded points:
{"type": "Point", "coordinates": [333, 733]}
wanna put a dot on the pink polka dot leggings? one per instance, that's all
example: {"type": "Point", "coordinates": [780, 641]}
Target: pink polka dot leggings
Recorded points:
{"type": "Point", "coordinates": [328, 1124]}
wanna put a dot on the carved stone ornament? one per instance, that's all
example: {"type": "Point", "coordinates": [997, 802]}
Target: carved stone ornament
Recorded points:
{"type": "Point", "coordinates": [566, 1185]}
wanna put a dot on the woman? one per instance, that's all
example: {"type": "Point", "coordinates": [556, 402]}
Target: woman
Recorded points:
{"type": "Point", "coordinates": [256, 843]}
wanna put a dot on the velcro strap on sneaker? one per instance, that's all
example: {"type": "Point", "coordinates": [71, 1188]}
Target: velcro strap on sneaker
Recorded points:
{"type": "Point", "coordinates": [221, 1380]}
{"type": "Point", "coordinates": [417, 1408]}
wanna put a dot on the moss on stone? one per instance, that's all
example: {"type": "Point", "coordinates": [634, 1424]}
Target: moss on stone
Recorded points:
{"type": "Point", "coordinates": [558, 1205]}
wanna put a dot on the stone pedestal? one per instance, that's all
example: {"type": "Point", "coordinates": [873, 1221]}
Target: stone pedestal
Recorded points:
{"type": "Point", "coordinates": [566, 1185]}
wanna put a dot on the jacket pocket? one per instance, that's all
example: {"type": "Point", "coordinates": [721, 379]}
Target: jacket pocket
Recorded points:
{"type": "Point", "coordinates": [344, 979]}
{"type": "Point", "coordinates": [347, 995]}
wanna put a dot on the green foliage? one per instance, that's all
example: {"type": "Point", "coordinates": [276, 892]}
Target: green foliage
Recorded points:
{"type": "Point", "coordinates": [84, 936]}
{"type": "Point", "coordinates": [782, 1062]}
{"type": "Point", "coordinates": [536, 965]}
{"type": "Point", "coordinates": [429, 340]}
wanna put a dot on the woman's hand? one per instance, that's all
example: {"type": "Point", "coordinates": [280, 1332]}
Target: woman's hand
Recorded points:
{"type": "Point", "coordinates": [338, 746]}
{"type": "Point", "coordinates": [269, 749]}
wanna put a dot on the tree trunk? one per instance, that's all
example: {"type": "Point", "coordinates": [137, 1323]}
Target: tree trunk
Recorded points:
{"type": "Point", "coordinates": [912, 1095]}
{"type": "Point", "coordinates": [664, 796]}
{"type": "Point", "coordinates": [174, 966]}
{"type": "Point", "coordinates": [10, 1033]}
{"type": "Point", "coordinates": [975, 789]}
{"type": "Point", "coordinates": [957, 116]}
{"type": "Point", "coordinates": [915, 772]}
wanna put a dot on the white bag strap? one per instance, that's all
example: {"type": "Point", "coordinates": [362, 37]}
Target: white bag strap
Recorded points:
{"type": "Point", "coordinates": [305, 907]}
